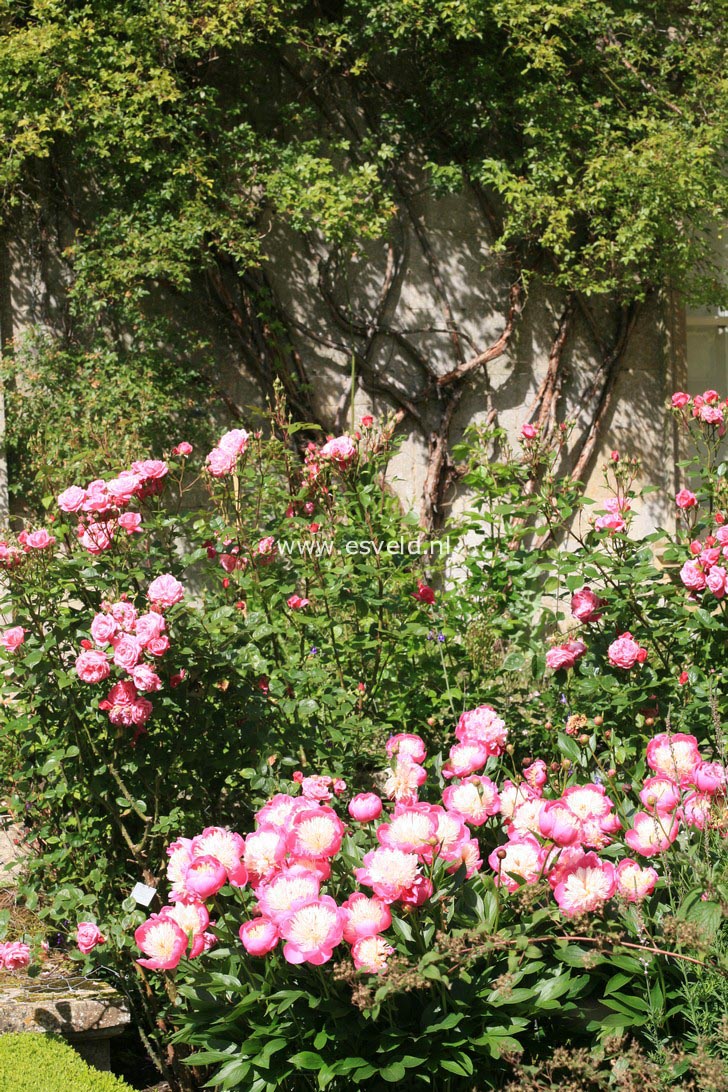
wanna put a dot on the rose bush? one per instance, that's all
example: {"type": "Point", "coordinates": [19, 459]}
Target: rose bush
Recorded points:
{"type": "Point", "coordinates": [196, 635]}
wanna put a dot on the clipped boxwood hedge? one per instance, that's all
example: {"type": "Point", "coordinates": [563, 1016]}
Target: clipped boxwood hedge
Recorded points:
{"type": "Point", "coordinates": [31, 1063]}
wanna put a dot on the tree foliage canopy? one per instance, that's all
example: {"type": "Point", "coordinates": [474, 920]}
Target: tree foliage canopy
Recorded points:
{"type": "Point", "coordinates": [176, 131]}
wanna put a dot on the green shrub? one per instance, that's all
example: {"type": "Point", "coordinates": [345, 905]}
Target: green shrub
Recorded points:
{"type": "Point", "coordinates": [29, 1063]}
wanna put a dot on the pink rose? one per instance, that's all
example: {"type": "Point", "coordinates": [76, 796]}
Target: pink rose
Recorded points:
{"type": "Point", "coordinates": [693, 576]}
{"type": "Point", "coordinates": [127, 652]}
{"type": "Point", "coordinates": [39, 540]}
{"type": "Point", "coordinates": [88, 935]}
{"type": "Point", "coordinates": [103, 629]}
{"type": "Point", "coordinates": [149, 626]}
{"type": "Point", "coordinates": [295, 602]}
{"type": "Point", "coordinates": [97, 497]}
{"type": "Point", "coordinates": [564, 657]}
{"type": "Point", "coordinates": [165, 591]}
{"type": "Point", "coordinates": [680, 399]}
{"type": "Point", "coordinates": [685, 499]}
{"type": "Point", "coordinates": [150, 469]}
{"type": "Point", "coordinates": [130, 522]}
{"type": "Point", "coordinates": [71, 499]}
{"type": "Point", "coordinates": [97, 537]}
{"type": "Point", "coordinates": [234, 442]}
{"type": "Point", "coordinates": [585, 605]}
{"type": "Point", "coordinates": [625, 652]}
{"type": "Point", "coordinates": [123, 488]}
{"type": "Point", "coordinates": [341, 450]}
{"type": "Point", "coordinates": [11, 639]}
{"type": "Point", "coordinates": [716, 580]}
{"type": "Point", "coordinates": [92, 666]}
{"type": "Point", "coordinates": [124, 613]}
{"type": "Point", "coordinates": [14, 955]}
{"type": "Point", "coordinates": [146, 679]}
{"type": "Point", "coordinates": [157, 646]}
{"type": "Point", "coordinates": [182, 449]}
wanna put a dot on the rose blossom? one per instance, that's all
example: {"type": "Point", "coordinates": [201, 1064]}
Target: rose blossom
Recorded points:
{"type": "Point", "coordinates": [103, 629]}
{"type": "Point", "coordinates": [71, 499]}
{"type": "Point", "coordinates": [529, 432]}
{"type": "Point", "coordinates": [182, 449]}
{"type": "Point", "coordinates": [165, 591]}
{"type": "Point", "coordinates": [586, 604]}
{"type": "Point", "coordinates": [88, 935]}
{"type": "Point", "coordinates": [146, 679]}
{"type": "Point", "coordinates": [680, 399]}
{"type": "Point", "coordinates": [14, 955]}
{"type": "Point", "coordinates": [149, 626]}
{"type": "Point", "coordinates": [340, 450]}
{"type": "Point", "coordinates": [625, 652]}
{"type": "Point", "coordinates": [564, 657]}
{"type": "Point", "coordinates": [685, 499]}
{"type": "Point", "coordinates": [39, 540]}
{"type": "Point", "coordinates": [130, 522]}
{"type": "Point", "coordinates": [11, 639]}
{"type": "Point", "coordinates": [92, 666]}
{"type": "Point", "coordinates": [127, 652]}
{"type": "Point", "coordinates": [295, 602]}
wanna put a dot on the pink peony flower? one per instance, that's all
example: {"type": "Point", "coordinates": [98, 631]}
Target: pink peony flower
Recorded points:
{"type": "Point", "coordinates": [162, 941]}
{"type": "Point", "coordinates": [88, 936]}
{"type": "Point", "coordinates": [406, 743]}
{"type": "Point", "coordinates": [11, 639]}
{"type": "Point", "coordinates": [391, 873]}
{"type": "Point", "coordinates": [404, 780]}
{"type": "Point", "coordinates": [536, 774]}
{"type": "Point", "coordinates": [625, 652]}
{"type": "Point", "coordinates": [259, 936]}
{"type": "Point", "coordinates": [674, 756]}
{"type": "Point", "coordinates": [92, 666]}
{"type": "Point", "coordinates": [365, 806]}
{"type": "Point", "coordinates": [660, 794]}
{"type": "Point", "coordinates": [412, 828]}
{"type": "Point", "coordinates": [315, 832]}
{"type": "Point", "coordinates": [464, 759]}
{"type": "Point", "coordinates": [370, 954]}
{"type": "Point", "coordinates": [483, 725]}
{"type": "Point", "coordinates": [586, 605]}
{"type": "Point", "coordinates": [651, 834]}
{"type": "Point", "coordinates": [586, 885]}
{"type": "Point", "coordinates": [520, 860]}
{"type": "Point", "coordinates": [313, 931]}
{"type": "Point", "coordinates": [204, 877]}
{"type": "Point", "coordinates": [635, 883]}
{"type": "Point", "coordinates": [193, 919]}
{"type": "Point", "coordinates": [710, 777]}
{"type": "Point", "coordinates": [365, 917]}
{"type": "Point", "coordinates": [287, 891]}
{"type": "Point", "coordinates": [165, 591]}
{"type": "Point", "coordinates": [475, 798]}
{"type": "Point", "coordinates": [265, 850]}
{"type": "Point", "coordinates": [696, 809]}
{"type": "Point", "coordinates": [558, 823]}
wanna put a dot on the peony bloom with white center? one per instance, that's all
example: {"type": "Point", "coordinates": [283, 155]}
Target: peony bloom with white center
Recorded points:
{"type": "Point", "coordinates": [365, 917]}
{"type": "Point", "coordinates": [406, 743]}
{"type": "Point", "coordinates": [390, 873]}
{"type": "Point", "coordinates": [587, 801]}
{"type": "Point", "coordinates": [696, 810]}
{"type": "Point", "coordinates": [558, 823]}
{"type": "Point", "coordinates": [468, 855]}
{"type": "Point", "coordinates": [277, 813]}
{"type": "Point", "coordinates": [660, 794]}
{"type": "Point", "coordinates": [162, 941]}
{"type": "Point", "coordinates": [287, 892]}
{"type": "Point", "coordinates": [651, 834]}
{"type": "Point", "coordinates": [315, 832]}
{"type": "Point", "coordinates": [483, 725]}
{"type": "Point", "coordinates": [710, 777]}
{"type": "Point", "coordinates": [312, 931]}
{"type": "Point", "coordinates": [586, 886]}
{"type": "Point", "coordinates": [674, 756]}
{"type": "Point", "coordinates": [522, 862]}
{"type": "Point", "coordinates": [204, 877]}
{"type": "Point", "coordinates": [475, 798]}
{"type": "Point", "coordinates": [464, 759]}
{"type": "Point", "coordinates": [451, 834]}
{"type": "Point", "coordinates": [259, 936]}
{"type": "Point", "coordinates": [404, 780]}
{"type": "Point", "coordinates": [264, 853]}
{"type": "Point", "coordinates": [370, 954]}
{"type": "Point", "coordinates": [412, 828]}
{"type": "Point", "coordinates": [526, 818]}
{"type": "Point", "coordinates": [635, 883]}
{"type": "Point", "coordinates": [227, 847]}
{"type": "Point", "coordinates": [193, 919]}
